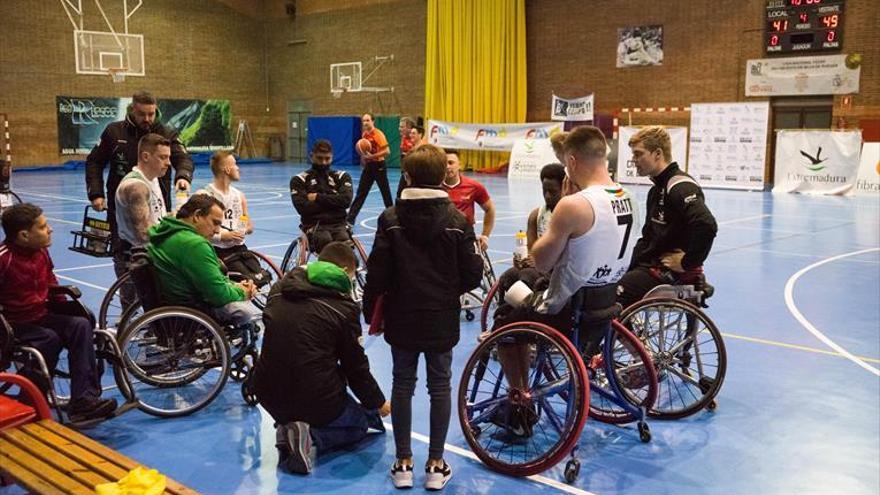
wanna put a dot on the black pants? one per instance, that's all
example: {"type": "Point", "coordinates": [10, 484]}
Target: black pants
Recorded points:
{"type": "Point", "coordinates": [634, 284]}
{"type": "Point", "coordinates": [322, 234]}
{"type": "Point", "coordinates": [54, 332]}
{"type": "Point", "coordinates": [373, 172]}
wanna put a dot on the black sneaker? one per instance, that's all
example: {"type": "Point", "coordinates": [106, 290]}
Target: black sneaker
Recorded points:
{"type": "Point", "coordinates": [296, 454]}
{"type": "Point", "coordinates": [92, 408]}
{"type": "Point", "coordinates": [436, 477]}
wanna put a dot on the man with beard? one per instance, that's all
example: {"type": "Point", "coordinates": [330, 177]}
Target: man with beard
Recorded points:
{"type": "Point", "coordinates": [321, 196]}
{"type": "Point", "coordinates": [119, 148]}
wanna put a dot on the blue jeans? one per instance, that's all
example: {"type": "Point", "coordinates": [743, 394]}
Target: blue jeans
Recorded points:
{"type": "Point", "coordinates": [349, 428]}
{"type": "Point", "coordinates": [439, 365]}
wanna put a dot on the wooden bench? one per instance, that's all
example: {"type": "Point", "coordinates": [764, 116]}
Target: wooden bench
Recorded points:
{"type": "Point", "coordinates": [48, 458]}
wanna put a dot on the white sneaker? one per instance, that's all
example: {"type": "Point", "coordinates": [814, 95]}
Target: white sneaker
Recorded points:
{"type": "Point", "coordinates": [436, 477]}
{"type": "Point", "coordinates": [401, 475]}
{"type": "Point", "coordinates": [300, 454]}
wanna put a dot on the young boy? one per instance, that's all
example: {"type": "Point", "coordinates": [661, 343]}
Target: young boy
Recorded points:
{"type": "Point", "coordinates": [310, 355]}
{"type": "Point", "coordinates": [424, 257]}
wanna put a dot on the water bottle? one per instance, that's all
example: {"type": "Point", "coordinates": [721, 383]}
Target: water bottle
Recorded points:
{"type": "Point", "coordinates": [521, 249]}
{"type": "Point", "coordinates": [180, 198]}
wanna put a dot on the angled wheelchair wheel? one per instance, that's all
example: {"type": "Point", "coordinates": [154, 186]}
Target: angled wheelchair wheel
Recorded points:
{"type": "Point", "coordinates": [297, 254]}
{"type": "Point", "coordinates": [8, 199]}
{"type": "Point", "coordinates": [623, 380]}
{"type": "Point", "coordinates": [262, 296]}
{"type": "Point", "coordinates": [113, 305]}
{"type": "Point", "coordinates": [521, 432]}
{"type": "Point", "coordinates": [490, 302]}
{"type": "Point", "coordinates": [687, 350]}
{"type": "Point", "coordinates": [176, 359]}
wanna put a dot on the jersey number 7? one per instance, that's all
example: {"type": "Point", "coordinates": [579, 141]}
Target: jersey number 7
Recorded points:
{"type": "Point", "coordinates": [624, 221]}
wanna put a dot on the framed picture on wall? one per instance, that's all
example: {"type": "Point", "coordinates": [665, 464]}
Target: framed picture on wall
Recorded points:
{"type": "Point", "coordinates": [639, 45]}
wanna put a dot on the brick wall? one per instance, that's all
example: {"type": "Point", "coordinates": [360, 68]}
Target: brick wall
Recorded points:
{"type": "Point", "coordinates": [572, 51]}
{"type": "Point", "coordinates": [193, 49]}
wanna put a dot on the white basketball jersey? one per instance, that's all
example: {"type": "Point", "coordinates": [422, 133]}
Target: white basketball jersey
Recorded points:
{"type": "Point", "coordinates": [602, 255]}
{"type": "Point", "coordinates": [156, 203]}
{"type": "Point", "coordinates": [543, 219]}
{"type": "Point", "coordinates": [233, 210]}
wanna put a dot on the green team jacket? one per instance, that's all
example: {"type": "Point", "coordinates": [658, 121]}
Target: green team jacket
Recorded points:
{"type": "Point", "coordinates": [187, 267]}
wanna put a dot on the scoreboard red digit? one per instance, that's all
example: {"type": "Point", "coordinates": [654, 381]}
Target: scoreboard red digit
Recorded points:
{"type": "Point", "coordinates": [803, 26]}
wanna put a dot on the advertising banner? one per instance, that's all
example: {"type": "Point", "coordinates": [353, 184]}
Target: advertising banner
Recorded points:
{"type": "Point", "coordinates": [529, 156]}
{"type": "Point", "coordinates": [579, 109]}
{"type": "Point", "coordinates": [728, 144]}
{"type": "Point", "coordinates": [203, 124]}
{"type": "Point", "coordinates": [818, 75]}
{"type": "Point", "coordinates": [626, 169]}
{"type": "Point", "coordinates": [868, 179]}
{"type": "Point", "coordinates": [817, 162]}
{"type": "Point", "coordinates": [492, 137]}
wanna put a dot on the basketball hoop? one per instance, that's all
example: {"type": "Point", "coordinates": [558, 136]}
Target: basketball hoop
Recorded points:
{"type": "Point", "coordinates": [117, 74]}
{"type": "Point", "coordinates": [337, 93]}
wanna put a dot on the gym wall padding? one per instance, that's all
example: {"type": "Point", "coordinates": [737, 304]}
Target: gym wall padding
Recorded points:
{"type": "Point", "coordinates": [389, 124]}
{"type": "Point", "coordinates": [342, 132]}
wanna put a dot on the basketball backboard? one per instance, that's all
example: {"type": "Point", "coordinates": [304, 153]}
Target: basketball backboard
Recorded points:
{"type": "Point", "coordinates": [345, 77]}
{"type": "Point", "coordinates": [98, 52]}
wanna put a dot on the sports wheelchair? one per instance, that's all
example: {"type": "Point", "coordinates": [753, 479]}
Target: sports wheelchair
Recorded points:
{"type": "Point", "coordinates": [686, 346]}
{"type": "Point", "coordinates": [524, 431]}
{"type": "Point", "coordinates": [57, 381]}
{"type": "Point", "coordinates": [113, 304]}
{"type": "Point", "coordinates": [179, 358]}
{"type": "Point", "coordinates": [7, 199]}
{"type": "Point", "coordinates": [482, 296]}
{"type": "Point", "coordinates": [300, 250]}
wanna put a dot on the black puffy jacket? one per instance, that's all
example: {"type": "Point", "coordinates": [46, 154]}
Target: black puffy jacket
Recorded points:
{"type": "Point", "coordinates": [677, 218]}
{"type": "Point", "coordinates": [310, 353]}
{"type": "Point", "coordinates": [424, 257]}
{"type": "Point", "coordinates": [118, 147]}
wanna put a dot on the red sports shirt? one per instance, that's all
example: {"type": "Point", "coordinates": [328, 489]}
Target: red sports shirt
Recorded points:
{"type": "Point", "coordinates": [465, 194]}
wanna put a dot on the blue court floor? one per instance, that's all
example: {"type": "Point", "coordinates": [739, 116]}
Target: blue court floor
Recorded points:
{"type": "Point", "coordinates": [798, 286]}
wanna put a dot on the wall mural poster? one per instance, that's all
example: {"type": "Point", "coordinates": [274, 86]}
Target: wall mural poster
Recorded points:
{"type": "Point", "coordinates": [639, 45]}
{"type": "Point", "coordinates": [203, 124]}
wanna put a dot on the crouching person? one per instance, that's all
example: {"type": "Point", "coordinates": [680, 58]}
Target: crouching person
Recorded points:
{"type": "Point", "coordinates": [310, 353]}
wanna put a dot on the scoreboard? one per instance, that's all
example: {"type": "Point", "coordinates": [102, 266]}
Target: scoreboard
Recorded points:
{"type": "Point", "coordinates": [803, 26]}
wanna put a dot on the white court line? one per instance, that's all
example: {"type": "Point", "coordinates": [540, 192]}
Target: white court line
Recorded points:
{"type": "Point", "coordinates": [101, 265]}
{"type": "Point", "coordinates": [81, 282]}
{"type": "Point", "coordinates": [744, 219]}
{"type": "Point", "coordinates": [364, 223]}
{"type": "Point", "coordinates": [53, 196]}
{"type": "Point", "coordinates": [789, 301]}
{"type": "Point", "coordinates": [470, 455]}
{"type": "Point", "coordinates": [64, 221]}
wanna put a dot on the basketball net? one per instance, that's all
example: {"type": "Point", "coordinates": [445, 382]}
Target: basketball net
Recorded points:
{"type": "Point", "coordinates": [117, 75]}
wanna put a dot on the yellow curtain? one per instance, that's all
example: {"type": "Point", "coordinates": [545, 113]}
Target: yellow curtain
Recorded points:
{"type": "Point", "coordinates": [475, 66]}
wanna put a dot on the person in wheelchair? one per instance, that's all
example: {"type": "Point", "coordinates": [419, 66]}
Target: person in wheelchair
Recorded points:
{"type": "Point", "coordinates": [322, 196]}
{"type": "Point", "coordinates": [26, 275]}
{"type": "Point", "coordinates": [586, 248]}
{"type": "Point", "coordinates": [310, 356]}
{"type": "Point", "coordinates": [679, 230]}
{"type": "Point", "coordinates": [236, 221]}
{"type": "Point", "coordinates": [464, 192]}
{"type": "Point", "coordinates": [188, 269]}
{"type": "Point", "coordinates": [552, 177]}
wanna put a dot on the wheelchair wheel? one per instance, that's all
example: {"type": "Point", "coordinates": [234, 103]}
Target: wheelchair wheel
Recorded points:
{"type": "Point", "coordinates": [687, 350]}
{"type": "Point", "coordinates": [622, 372]}
{"type": "Point", "coordinates": [176, 358]}
{"type": "Point", "coordinates": [8, 199]}
{"type": "Point", "coordinates": [112, 306]}
{"type": "Point", "coordinates": [262, 296]}
{"type": "Point", "coordinates": [490, 302]}
{"type": "Point", "coordinates": [524, 432]}
{"type": "Point", "coordinates": [297, 254]}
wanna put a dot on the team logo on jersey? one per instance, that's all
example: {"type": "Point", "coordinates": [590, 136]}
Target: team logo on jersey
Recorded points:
{"type": "Point", "coordinates": [602, 272]}
{"type": "Point", "coordinates": [618, 192]}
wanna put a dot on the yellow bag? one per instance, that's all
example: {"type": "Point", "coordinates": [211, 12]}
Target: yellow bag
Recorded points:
{"type": "Point", "coordinates": [139, 481]}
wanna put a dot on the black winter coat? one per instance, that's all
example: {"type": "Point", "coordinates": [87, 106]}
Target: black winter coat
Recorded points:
{"type": "Point", "coordinates": [424, 257]}
{"type": "Point", "coordinates": [118, 147]}
{"type": "Point", "coordinates": [310, 353]}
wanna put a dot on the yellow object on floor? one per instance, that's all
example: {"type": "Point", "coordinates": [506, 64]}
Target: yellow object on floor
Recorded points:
{"type": "Point", "coordinates": [138, 481]}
